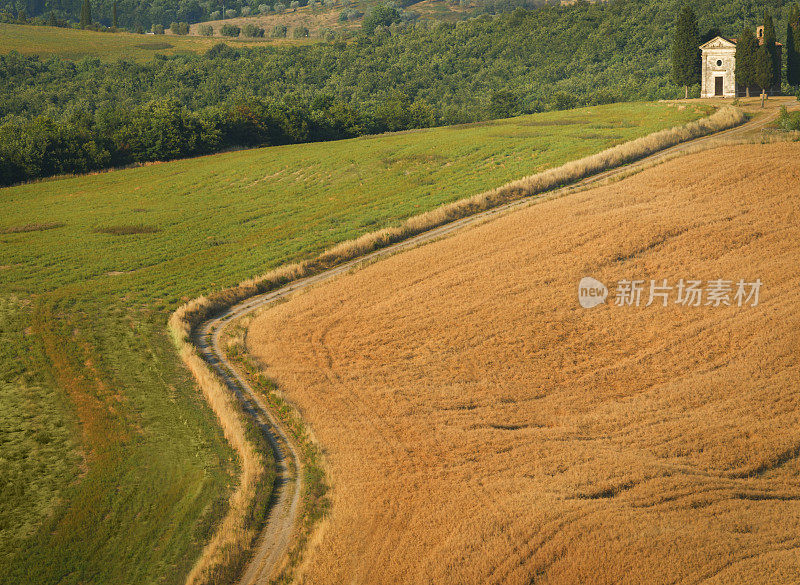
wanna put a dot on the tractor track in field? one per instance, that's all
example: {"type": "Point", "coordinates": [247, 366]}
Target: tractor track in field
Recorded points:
{"type": "Point", "coordinates": [276, 536]}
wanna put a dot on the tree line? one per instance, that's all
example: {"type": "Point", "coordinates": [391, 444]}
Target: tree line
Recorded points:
{"type": "Point", "coordinates": [61, 116]}
{"type": "Point", "coordinates": [163, 129]}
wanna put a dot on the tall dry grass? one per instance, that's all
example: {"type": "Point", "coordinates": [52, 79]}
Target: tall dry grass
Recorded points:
{"type": "Point", "coordinates": [232, 536]}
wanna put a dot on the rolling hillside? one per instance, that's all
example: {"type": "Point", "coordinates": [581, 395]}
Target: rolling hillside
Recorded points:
{"type": "Point", "coordinates": [73, 44]}
{"type": "Point", "coordinates": [112, 469]}
{"type": "Point", "coordinates": [96, 114]}
{"type": "Point", "coordinates": [344, 17]}
{"type": "Point", "coordinates": [481, 427]}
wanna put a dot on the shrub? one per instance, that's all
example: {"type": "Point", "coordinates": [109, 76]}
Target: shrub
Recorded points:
{"type": "Point", "coordinates": [230, 30]}
{"type": "Point", "coordinates": [216, 15]}
{"type": "Point", "coordinates": [279, 32]}
{"type": "Point", "coordinates": [231, 13]}
{"type": "Point", "coordinates": [563, 100]}
{"type": "Point", "coordinates": [279, 7]}
{"type": "Point", "coordinates": [157, 29]}
{"type": "Point", "coordinates": [294, 5]}
{"type": "Point", "coordinates": [300, 32]}
{"type": "Point", "coordinates": [503, 104]}
{"type": "Point", "coordinates": [222, 51]}
{"type": "Point", "coordinates": [251, 30]}
{"type": "Point", "coordinates": [789, 121]}
{"type": "Point", "coordinates": [245, 11]}
{"type": "Point", "coordinates": [263, 8]}
{"type": "Point", "coordinates": [183, 28]}
{"type": "Point", "coordinates": [380, 15]}
{"type": "Point", "coordinates": [174, 28]}
{"type": "Point", "coordinates": [350, 14]}
{"type": "Point", "coordinates": [206, 30]}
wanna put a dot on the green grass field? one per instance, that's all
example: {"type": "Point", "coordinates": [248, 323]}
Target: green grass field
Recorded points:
{"type": "Point", "coordinates": [75, 44]}
{"type": "Point", "coordinates": [112, 468]}
{"type": "Point", "coordinates": [68, 43]}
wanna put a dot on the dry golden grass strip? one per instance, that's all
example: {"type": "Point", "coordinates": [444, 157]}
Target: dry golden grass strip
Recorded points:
{"type": "Point", "coordinates": [233, 538]}
{"type": "Point", "coordinates": [230, 535]}
{"type": "Point", "coordinates": [480, 427]}
{"type": "Point", "coordinates": [33, 227]}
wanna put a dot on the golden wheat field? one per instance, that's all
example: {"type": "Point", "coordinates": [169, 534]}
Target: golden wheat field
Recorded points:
{"type": "Point", "coordinates": [479, 426]}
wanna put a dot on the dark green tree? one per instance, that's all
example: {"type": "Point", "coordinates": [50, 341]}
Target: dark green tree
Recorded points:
{"type": "Point", "coordinates": [793, 46]}
{"type": "Point", "coordinates": [380, 15]}
{"type": "Point", "coordinates": [763, 71]}
{"type": "Point", "coordinates": [86, 14]}
{"type": "Point", "coordinates": [771, 48]}
{"type": "Point", "coordinates": [503, 104]}
{"type": "Point", "coordinates": [711, 33]}
{"type": "Point", "coordinates": [686, 50]}
{"type": "Point", "coordinates": [114, 21]}
{"type": "Point", "coordinates": [746, 49]}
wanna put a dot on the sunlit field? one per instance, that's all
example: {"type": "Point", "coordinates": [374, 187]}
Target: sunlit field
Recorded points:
{"type": "Point", "coordinates": [47, 41]}
{"type": "Point", "coordinates": [112, 469]}
{"type": "Point", "coordinates": [479, 426]}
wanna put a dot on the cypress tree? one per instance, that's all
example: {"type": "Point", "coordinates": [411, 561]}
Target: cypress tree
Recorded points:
{"type": "Point", "coordinates": [746, 49]}
{"type": "Point", "coordinates": [711, 33]}
{"type": "Point", "coordinates": [114, 22]}
{"type": "Point", "coordinates": [791, 56]}
{"type": "Point", "coordinates": [793, 46]}
{"type": "Point", "coordinates": [772, 50]}
{"type": "Point", "coordinates": [763, 71]}
{"type": "Point", "coordinates": [86, 14]}
{"type": "Point", "coordinates": [686, 50]}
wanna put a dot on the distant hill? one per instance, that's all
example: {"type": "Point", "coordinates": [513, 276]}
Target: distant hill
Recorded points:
{"type": "Point", "coordinates": [144, 13]}
{"type": "Point", "coordinates": [74, 44]}
{"type": "Point", "coordinates": [321, 16]}
{"type": "Point", "coordinates": [650, 21]}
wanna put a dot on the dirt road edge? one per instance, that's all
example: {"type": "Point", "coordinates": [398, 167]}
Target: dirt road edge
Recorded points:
{"type": "Point", "coordinates": [223, 387]}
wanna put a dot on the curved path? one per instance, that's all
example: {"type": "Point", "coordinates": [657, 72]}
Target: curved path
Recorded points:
{"type": "Point", "coordinates": [276, 537]}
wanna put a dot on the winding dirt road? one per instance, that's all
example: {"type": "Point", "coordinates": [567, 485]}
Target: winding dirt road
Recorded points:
{"type": "Point", "coordinates": [276, 537]}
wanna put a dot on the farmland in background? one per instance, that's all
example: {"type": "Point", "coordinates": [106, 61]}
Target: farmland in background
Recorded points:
{"type": "Point", "coordinates": [47, 41]}
{"type": "Point", "coordinates": [320, 20]}
{"type": "Point", "coordinates": [76, 43]}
